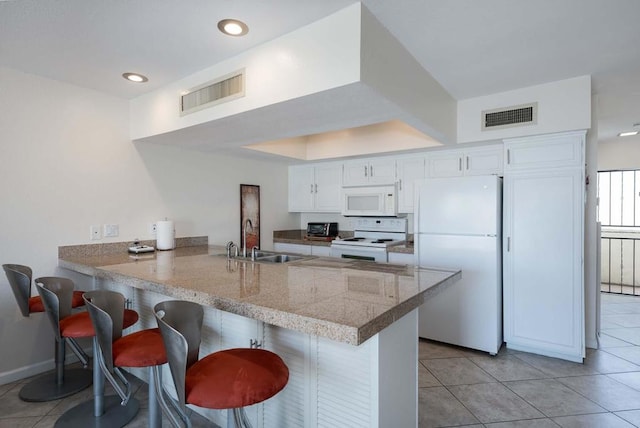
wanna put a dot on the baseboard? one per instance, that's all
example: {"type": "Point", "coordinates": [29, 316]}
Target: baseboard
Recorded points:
{"type": "Point", "coordinates": [38, 368]}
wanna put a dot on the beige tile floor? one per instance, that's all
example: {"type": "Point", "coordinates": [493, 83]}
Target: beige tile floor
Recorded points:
{"type": "Point", "coordinates": [460, 387]}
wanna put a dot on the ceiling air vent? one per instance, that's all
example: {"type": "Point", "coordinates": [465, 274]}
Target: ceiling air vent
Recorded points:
{"type": "Point", "coordinates": [221, 90]}
{"type": "Point", "coordinates": [526, 114]}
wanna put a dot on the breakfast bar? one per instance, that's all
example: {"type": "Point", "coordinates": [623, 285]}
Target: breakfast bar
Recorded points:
{"type": "Point", "coordinates": [347, 329]}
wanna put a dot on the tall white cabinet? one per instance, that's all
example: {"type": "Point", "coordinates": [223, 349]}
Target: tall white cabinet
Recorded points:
{"type": "Point", "coordinates": [543, 245]}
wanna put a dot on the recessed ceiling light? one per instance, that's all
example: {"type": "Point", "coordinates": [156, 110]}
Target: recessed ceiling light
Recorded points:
{"type": "Point", "coordinates": [135, 77]}
{"type": "Point", "coordinates": [233, 27]}
{"type": "Point", "coordinates": [628, 134]}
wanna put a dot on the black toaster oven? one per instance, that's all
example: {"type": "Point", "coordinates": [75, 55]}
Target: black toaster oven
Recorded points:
{"type": "Point", "coordinates": [322, 229]}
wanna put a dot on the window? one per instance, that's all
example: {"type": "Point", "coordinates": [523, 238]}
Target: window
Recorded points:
{"type": "Point", "coordinates": [619, 198]}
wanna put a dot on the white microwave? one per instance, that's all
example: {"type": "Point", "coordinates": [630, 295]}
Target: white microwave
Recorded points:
{"type": "Point", "coordinates": [378, 201]}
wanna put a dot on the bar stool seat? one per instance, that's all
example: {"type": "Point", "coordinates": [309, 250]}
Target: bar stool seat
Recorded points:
{"type": "Point", "coordinates": [235, 378]}
{"type": "Point", "coordinates": [79, 325]}
{"type": "Point", "coordinates": [140, 349]}
{"type": "Point", "coordinates": [62, 382]}
{"type": "Point", "coordinates": [35, 302]}
{"type": "Point", "coordinates": [230, 379]}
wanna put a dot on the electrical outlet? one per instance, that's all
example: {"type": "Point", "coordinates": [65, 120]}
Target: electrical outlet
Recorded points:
{"type": "Point", "coordinates": [111, 230]}
{"type": "Point", "coordinates": [153, 228]}
{"type": "Point", "coordinates": [94, 232]}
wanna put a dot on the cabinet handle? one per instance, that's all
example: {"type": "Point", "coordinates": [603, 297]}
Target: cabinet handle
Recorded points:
{"type": "Point", "coordinates": [459, 164]}
{"type": "Point", "coordinates": [467, 163]}
{"type": "Point", "coordinates": [400, 183]}
{"type": "Point", "coordinates": [371, 171]}
{"type": "Point", "coordinates": [316, 188]}
{"type": "Point", "coordinates": [312, 188]}
{"type": "Point", "coordinates": [508, 156]}
{"type": "Point", "coordinates": [365, 171]}
{"type": "Point", "coordinates": [508, 243]}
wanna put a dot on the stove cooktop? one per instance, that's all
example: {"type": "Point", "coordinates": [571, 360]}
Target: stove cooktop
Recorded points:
{"type": "Point", "coordinates": [368, 242]}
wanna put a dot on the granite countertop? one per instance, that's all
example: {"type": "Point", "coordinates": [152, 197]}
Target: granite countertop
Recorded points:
{"type": "Point", "coordinates": [344, 300]}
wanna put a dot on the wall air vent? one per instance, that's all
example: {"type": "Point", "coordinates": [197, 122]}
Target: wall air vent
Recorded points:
{"type": "Point", "coordinates": [214, 92]}
{"type": "Point", "coordinates": [526, 114]}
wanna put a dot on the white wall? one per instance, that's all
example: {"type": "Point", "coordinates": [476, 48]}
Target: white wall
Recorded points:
{"type": "Point", "coordinates": [623, 153]}
{"type": "Point", "coordinates": [564, 105]}
{"type": "Point", "coordinates": [67, 162]}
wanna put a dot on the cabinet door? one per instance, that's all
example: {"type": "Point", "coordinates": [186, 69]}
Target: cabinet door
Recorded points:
{"type": "Point", "coordinates": [485, 161]}
{"type": "Point", "coordinates": [401, 258]}
{"type": "Point", "coordinates": [292, 248]}
{"type": "Point", "coordinates": [301, 188]}
{"type": "Point", "coordinates": [543, 250]}
{"type": "Point", "coordinates": [409, 170]}
{"type": "Point", "coordinates": [328, 187]}
{"type": "Point", "coordinates": [356, 173]}
{"type": "Point", "coordinates": [446, 164]}
{"type": "Point", "coordinates": [382, 171]}
{"type": "Point", "coordinates": [545, 151]}
{"type": "Point", "coordinates": [320, 251]}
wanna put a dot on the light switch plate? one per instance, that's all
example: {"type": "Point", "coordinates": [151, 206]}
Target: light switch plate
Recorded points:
{"type": "Point", "coordinates": [111, 230]}
{"type": "Point", "coordinates": [94, 232]}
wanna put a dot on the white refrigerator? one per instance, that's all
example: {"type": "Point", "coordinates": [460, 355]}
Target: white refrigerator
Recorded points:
{"type": "Point", "coordinates": [457, 224]}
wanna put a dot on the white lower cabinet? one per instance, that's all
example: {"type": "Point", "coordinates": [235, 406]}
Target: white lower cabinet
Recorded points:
{"type": "Point", "coordinates": [401, 258]}
{"type": "Point", "coordinates": [336, 385]}
{"type": "Point", "coordinates": [307, 250]}
{"type": "Point", "coordinates": [292, 248]}
{"type": "Point", "coordinates": [543, 246]}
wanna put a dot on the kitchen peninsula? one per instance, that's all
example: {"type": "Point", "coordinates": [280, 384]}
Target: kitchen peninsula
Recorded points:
{"type": "Point", "coordinates": [346, 329]}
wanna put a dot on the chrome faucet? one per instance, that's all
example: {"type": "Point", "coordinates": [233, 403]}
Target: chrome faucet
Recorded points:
{"type": "Point", "coordinates": [254, 251]}
{"type": "Point", "coordinates": [247, 222]}
{"type": "Point", "coordinates": [230, 245]}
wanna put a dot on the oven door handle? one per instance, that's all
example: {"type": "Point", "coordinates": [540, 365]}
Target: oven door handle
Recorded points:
{"type": "Point", "coordinates": [342, 247]}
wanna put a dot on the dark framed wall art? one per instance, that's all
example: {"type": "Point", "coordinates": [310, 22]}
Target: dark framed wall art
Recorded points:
{"type": "Point", "coordinates": [250, 215]}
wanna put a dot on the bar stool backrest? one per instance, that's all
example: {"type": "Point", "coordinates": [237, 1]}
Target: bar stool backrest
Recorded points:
{"type": "Point", "coordinates": [106, 309]}
{"type": "Point", "coordinates": [180, 324]}
{"type": "Point", "coordinates": [56, 294]}
{"type": "Point", "coordinates": [19, 277]}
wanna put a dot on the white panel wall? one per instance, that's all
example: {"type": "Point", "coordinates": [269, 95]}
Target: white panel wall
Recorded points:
{"type": "Point", "coordinates": [564, 105]}
{"type": "Point", "coordinates": [314, 58]}
{"type": "Point", "coordinates": [67, 162]}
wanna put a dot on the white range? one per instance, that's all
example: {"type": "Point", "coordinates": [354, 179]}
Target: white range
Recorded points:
{"type": "Point", "coordinates": [371, 238]}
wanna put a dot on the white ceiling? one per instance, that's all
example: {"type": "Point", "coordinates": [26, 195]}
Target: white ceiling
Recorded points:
{"type": "Point", "coordinates": [471, 47]}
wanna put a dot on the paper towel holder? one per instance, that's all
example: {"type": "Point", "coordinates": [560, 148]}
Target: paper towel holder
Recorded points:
{"type": "Point", "coordinates": [165, 235]}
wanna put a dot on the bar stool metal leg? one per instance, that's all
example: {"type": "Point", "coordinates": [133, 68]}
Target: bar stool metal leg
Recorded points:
{"type": "Point", "coordinates": [101, 412]}
{"type": "Point", "coordinates": [57, 384]}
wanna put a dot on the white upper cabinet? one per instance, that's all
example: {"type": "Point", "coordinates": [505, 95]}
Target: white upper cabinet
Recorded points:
{"type": "Point", "coordinates": [545, 151]}
{"type": "Point", "coordinates": [315, 188]}
{"type": "Point", "coordinates": [369, 171]}
{"type": "Point", "coordinates": [410, 169]}
{"type": "Point", "coordinates": [472, 161]}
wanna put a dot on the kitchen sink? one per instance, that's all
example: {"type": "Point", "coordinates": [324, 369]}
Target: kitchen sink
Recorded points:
{"type": "Point", "coordinates": [270, 257]}
{"type": "Point", "coordinates": [279, 258]}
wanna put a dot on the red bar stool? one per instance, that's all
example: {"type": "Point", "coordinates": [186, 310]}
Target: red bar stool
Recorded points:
{"type": "Point", "coordinates": [56, 294]}
{"type": "Point", "coordinates": [229, 379]}
{"type": "Point", "coordinates": [60, 383]}
{"type": "Point", "coordinates": [140, 349]}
